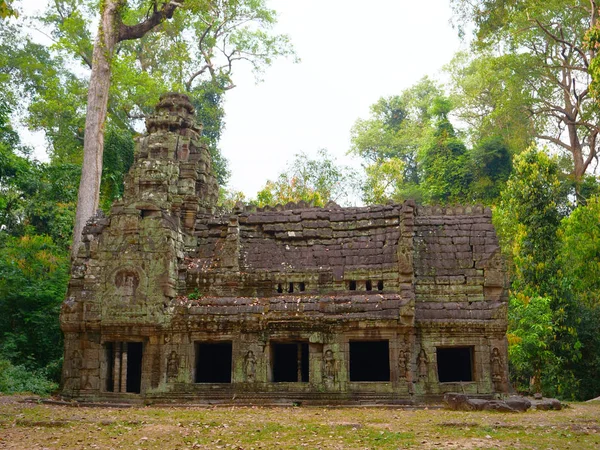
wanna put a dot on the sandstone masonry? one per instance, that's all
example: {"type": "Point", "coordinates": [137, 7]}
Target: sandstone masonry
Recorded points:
{"type": "Point", "coordinates": [170, 301]}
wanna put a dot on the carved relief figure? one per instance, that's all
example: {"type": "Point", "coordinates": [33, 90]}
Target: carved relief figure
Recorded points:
{"type": "Point", "coordinates": [402, 364]}
{"type": "Point", "coordinates": [172, 367]}
{"type": "Point", "coordinates": [422, 364]}
{"type": "Point", "coordinates": [74, 378]}
{"type": "Point", "coordinates": [127, 281]}
{"type": "Point", "coordinates": [329, 367]}
{"type": "Point", "coordinates": [497, 370]}
{"type": "Point", "coordinates": [250, 366]}
{"type": "Point", "coordinates": [76, 363]}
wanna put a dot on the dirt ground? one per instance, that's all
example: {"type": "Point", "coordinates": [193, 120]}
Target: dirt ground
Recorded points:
{"type": "Point", "coordinates": [27, 425]}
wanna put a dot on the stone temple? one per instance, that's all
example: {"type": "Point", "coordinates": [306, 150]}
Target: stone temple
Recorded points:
{"type": "Point", "coordinates": [172, 301]}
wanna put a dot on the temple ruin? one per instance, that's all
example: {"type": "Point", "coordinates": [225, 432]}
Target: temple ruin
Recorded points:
{"type": "Point", "coordinates": [171, 301]}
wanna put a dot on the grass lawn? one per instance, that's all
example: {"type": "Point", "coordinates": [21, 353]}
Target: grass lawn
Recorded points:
{"type": "Point", "coordinates": [38, 426]}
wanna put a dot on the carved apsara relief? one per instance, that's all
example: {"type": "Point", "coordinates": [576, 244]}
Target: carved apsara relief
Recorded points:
{"type": "Point", "coordinates": [250, 367]}
{"type": "Point", "coordinates": [422, 362]}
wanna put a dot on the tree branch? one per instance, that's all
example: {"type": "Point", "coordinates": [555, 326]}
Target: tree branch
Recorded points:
{"type": "Point", "coordinates": [128, 32]}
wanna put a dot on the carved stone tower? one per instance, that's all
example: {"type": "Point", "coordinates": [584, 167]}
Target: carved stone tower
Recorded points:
{"type": "Point", "coordinates": [129, 267]}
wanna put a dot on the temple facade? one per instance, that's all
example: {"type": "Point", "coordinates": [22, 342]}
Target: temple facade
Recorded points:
{"type": "Point", "coordinates": [171, 301]}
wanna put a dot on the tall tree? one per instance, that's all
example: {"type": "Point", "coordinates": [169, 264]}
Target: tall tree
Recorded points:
{"type": "Point", "coordinates": [444, 162]}
{"type": "Point", "coordinates": [111, 31]}
{"type": "Point", "coordinates": [545, 41]}
{"type": "Point", "coordinates": [492, 98]}
{"type": "Point", "coordinates": [390, 139]}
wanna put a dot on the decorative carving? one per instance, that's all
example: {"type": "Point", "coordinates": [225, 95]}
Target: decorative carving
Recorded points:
{"type": "Point", "coordinates": [76, 362]}
{"type": "Point", "coordinates": [127, 282]}
{"type": "Point", "coordinates": [403, 364]}
{"type": "Point", "coordinates": [329, 367]}
{"type": "Point", "coordinates": [250, 367]}
{"type": "Point", "coordinates": [422, 364]}
{"type": "Point", "coordinates": [172, 367]}
{"type": "Point", "coordinates": [497, 370]}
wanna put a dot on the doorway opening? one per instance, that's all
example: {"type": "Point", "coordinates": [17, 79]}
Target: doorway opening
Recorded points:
{"type": "Point", "coordinates": [455, 364]}
{"type": "Point", "coordinates": [213, 362]}
{"type": "Point", "coordinates": [290, 361]}
{"type": "Point", "coordinates": [369, 361]}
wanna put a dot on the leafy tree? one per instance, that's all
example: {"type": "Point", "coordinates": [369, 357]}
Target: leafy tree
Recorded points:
{"type": "Point", "coordinates": [579, 254]}
{"type": "Point", "coordinates": [491, 164]}
{"type": "Point", "coordinates": [492, 97]}
{"type": "Point", "coordinates": [37, 84]}
{"type": "Point", "coordinates": [117, 159]}
{"type": "Point", "coordinates": [531, 329]}
{"type": "Point", "coordinates": [315, 181]}
{"type": "Point", "coordinates": [528, 218]}
{"type": "Point", "coordinates": [443, 160]}
{"type": "Point", "coordinates": [385, 181]}
{"type": "Point", "coordinates": [390, 139]}
{"type": "Point", "coordinates": [544, 43]}
{"type": "Point", "coordinates": [33, 280]}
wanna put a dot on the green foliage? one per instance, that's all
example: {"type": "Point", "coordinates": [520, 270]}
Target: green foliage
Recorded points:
{"type": "Point", "coordinates": [410, 149]}
{"type": "Point", "coordinates": [208, 99]}
{"type": "Point", "coordinates": [384, 181]}
{"type": "Point", "coordinates": [33, 280]}
{"type": "Point", "coordinates": [315, 181]}
{"type": "Point", "coordinates": [390, 139]}
{"type": "Point", "coordinates": [554, 256]}
{"type": "Point", "coordinates": [528, 217]}
{"type": "Point", "coordinates": [532, 363]}
{"type": "Point", "coordinates": [228, 199]}
{"type": "Point", "coordinates": [492, 98]}
{"type": "Point", "coordinates": [443, 160]}
{"type": "Point", "coordinates": [7, 10]}
{"type": "Point", "coordinates": [117, 159]}
{"type": "Point", "coordinates": [16, 379]}
{"type": "Point", "coordinates": [36, 82]}
{"type": "Point", "coordinates": [579, 255]}
{"type": "Point", "coordinates": [37, 198]}
{"type": "Point", "coordinates": [492, 165]}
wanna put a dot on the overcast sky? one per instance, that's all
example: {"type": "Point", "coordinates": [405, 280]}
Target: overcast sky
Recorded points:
{"type": "Point", "coordinates": [352, 52]}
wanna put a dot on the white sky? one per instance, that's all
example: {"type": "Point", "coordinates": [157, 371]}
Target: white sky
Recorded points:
{"type": "Point", "coordinates": [353, 52]}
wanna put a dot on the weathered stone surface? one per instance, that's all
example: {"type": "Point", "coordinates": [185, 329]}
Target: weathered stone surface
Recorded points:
{"type": "Point", "coordinates": [462, 402]}
{"type": "Point", "coordinates": [547, 404]}
{"type": "Point", "coordinates": [165, 288]}
{"type": "Point", "coordinates": [518, 403]}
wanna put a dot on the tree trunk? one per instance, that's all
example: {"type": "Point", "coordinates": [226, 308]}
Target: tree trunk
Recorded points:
{"type": "Point", "coordinates": [97, 102]}
{"type": "Point", "coordinates": [111, 31]}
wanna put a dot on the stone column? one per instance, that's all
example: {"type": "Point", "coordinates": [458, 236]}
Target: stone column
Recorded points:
{"type": "Point", "coordinates": [299, 359]}
{"type": "Point", "coordinates": [116, 366]}
{"type": "Point", "coordinates": [124, 368]}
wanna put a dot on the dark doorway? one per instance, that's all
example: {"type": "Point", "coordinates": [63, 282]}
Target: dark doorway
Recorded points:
{"type": "Point", "coordinates": [455, 364]}
{"type": "Point", "coordinates": [213, 362]}
{"type": "Point", "coordinates": [369, 361]}
{"type": "Point", "coordinates": [134, 366]}
{"type": "Point", "coordinates": [109, 366]}
{"type": "Point", "coordinates": [290, 362]}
